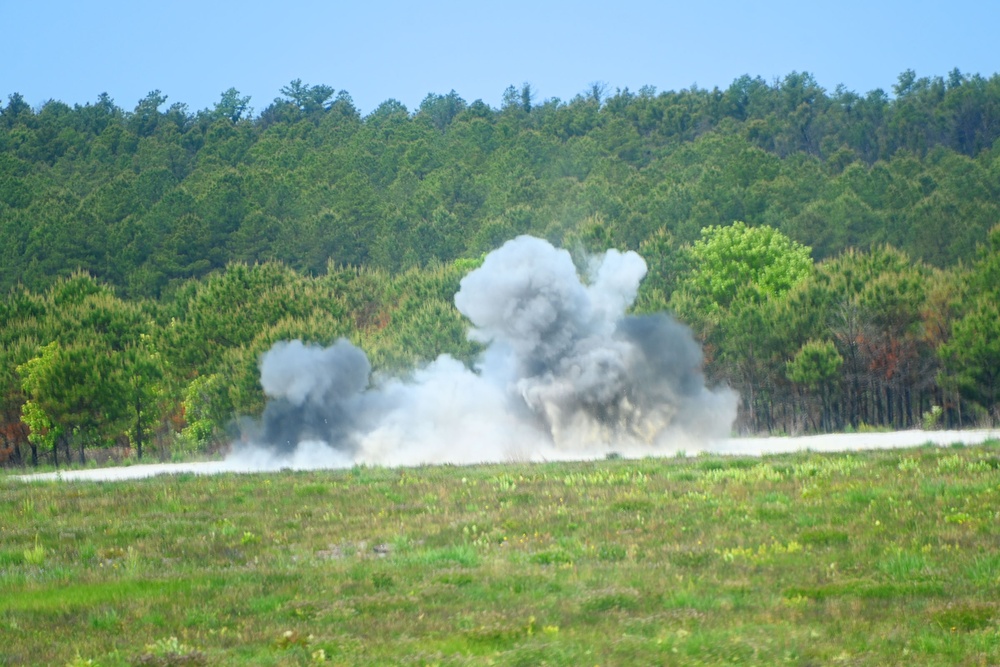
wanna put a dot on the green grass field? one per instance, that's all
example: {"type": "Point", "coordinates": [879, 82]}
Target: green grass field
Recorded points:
{"type": "Point", "coordinates": [878, 558]}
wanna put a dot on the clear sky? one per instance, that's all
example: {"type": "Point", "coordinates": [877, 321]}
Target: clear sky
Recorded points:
{"type": "Point", "coordinates": [193, 50]}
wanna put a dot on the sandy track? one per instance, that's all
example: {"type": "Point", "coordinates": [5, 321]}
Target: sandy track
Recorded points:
{"type": "Point", "coordinates": [838, 442]}
{"type": "Point", "coordinates": [845, 442]}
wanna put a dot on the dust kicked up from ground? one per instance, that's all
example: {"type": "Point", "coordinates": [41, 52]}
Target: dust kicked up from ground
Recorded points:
{"type": "Point", "coordinates": [566, 372]}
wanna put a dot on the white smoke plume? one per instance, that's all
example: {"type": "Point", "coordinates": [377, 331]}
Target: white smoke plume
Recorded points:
{"type": "Point", "coordinates": [566, 374]}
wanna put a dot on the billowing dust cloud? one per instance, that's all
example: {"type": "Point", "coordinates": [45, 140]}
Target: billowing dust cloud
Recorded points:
{"type": "Point", "coordinates": [566, 374]}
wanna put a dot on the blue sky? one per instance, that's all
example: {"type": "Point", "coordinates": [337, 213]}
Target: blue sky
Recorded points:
{"type": "Point", "coordinates": [192, 50]}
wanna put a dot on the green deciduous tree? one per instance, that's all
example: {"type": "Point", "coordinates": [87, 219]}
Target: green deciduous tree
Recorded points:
{"type": "Point", "coordinates": [207, 410]}
{"type": "Point", "coordinates": [742, 263]}
{"type": "Point", "coordinates": [732, 272]}
{"type": "Point", "coordinates": [43, 409]}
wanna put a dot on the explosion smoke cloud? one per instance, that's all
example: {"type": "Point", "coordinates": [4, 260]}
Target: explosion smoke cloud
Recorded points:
{"type": "Point", "coordinates": [566, 374]}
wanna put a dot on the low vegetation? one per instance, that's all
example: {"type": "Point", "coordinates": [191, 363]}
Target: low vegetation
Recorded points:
{"type": "Point", "coordinates": [868, 558]}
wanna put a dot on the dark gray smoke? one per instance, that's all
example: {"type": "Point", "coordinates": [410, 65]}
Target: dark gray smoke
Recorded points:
{"type": "Point", "coordinates": [566, 374]}
{"type": "Point", "coordinates": [315, 393]}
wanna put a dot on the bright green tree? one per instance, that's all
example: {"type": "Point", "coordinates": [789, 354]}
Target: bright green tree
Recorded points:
{"type": "Point", "coordinates": [732, 272]}
{"type": "Point", "coordinates": [42, 409]}
{"type": "Point", "coordinates": [741, 263]}
{"type": "Point", "coordinates": [206, 412]}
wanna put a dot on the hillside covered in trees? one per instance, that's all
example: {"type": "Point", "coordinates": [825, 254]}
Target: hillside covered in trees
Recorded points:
{"type": "Point", "coordinates": [149, 256]}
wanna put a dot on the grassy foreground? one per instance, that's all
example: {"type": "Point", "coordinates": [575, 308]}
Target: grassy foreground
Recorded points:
{"type": "Point", "coordinates": [888, 557]}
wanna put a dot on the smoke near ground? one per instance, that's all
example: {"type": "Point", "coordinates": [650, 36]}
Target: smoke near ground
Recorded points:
{"type": "Point", "coordinates": [566, 374]}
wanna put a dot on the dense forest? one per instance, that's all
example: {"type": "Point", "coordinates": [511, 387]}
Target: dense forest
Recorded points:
{"type": "Point", "coordinates": [837, 254]}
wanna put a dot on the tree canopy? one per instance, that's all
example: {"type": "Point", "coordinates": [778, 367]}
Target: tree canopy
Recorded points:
{"type": "Point", "coordinates": [146, 198]}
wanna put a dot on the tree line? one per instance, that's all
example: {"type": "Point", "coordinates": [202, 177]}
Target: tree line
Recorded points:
{"type": "Point", "coordinates": [83, 369]}
{"type": "Point", "coordinates": [147, 198]}
{"type": "Point", "coordinates": [833, 251]}
{"type": "Point", "coordinates": [865, 339]}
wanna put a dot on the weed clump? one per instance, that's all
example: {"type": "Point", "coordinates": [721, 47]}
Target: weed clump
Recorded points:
{"type": "Point", "coordinates": [170, 652]}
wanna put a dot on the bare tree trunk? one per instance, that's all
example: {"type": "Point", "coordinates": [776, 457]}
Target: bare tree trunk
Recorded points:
{"type": "Point", "coordinates": [824, 424]}
{"type": "Point", "coordinates": [902, 397]}
{"type": "Point", "coordinates": [889, 412]}
{"type": "Point", "coordinates": [138, 427]}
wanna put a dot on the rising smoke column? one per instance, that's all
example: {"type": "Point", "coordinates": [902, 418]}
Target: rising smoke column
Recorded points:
{"type": "Point", "coordinates": [589, 372]}
{"type": "Point", "coordinates": [566, 373]}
